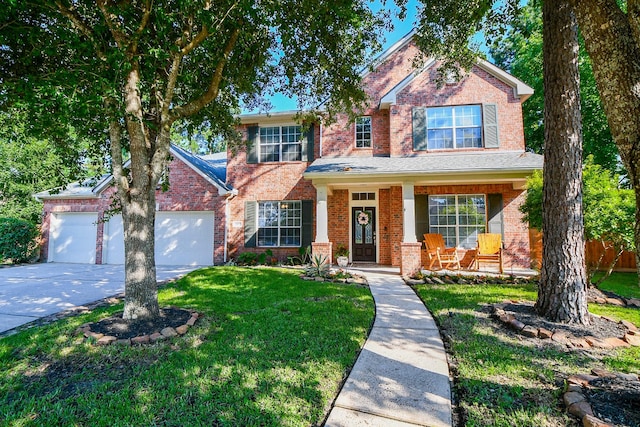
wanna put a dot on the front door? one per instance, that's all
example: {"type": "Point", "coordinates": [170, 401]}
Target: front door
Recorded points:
{"type": "Point", "coordinates": [364, 234]}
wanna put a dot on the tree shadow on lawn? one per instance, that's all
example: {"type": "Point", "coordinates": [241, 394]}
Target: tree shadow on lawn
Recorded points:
{"type": "Point", "coordinates": [502, 377]}
{"type": "Point", "coordinates": [260, 362]}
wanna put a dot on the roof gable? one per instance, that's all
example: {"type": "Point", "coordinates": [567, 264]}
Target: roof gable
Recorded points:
{"type": "Point", "coordinates": [213, 170]}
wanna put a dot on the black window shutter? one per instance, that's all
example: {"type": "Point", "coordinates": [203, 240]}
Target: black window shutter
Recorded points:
{"type": "Point", "coordinates": [419, 128]}
{"type": "Point", "coordinates": [494, 221]}
{"type": "Point", "coordinates": [307, 222]}
{"type": "Point", "coordinates": [307, 145]}
{"type": "Point", "coordinates": [422, 215]}
{"type": "Point", "coordinates": [490, 122]}
{"type": "Point", "coordinates": [250, 224]}
{"type": "Point", "coordinates": [252, 147]}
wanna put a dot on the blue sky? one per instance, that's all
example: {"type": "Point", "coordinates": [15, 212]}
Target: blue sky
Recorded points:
{"type": "Point", "coordinates": [401, 28]}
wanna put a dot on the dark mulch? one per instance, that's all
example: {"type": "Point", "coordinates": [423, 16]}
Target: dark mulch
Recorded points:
{"type": "Point", "coordinates": [599, 328]}
{"type": "Point", "coordinates": [117, 327]}
{"type": "Point", "coordinates": [615, 400]}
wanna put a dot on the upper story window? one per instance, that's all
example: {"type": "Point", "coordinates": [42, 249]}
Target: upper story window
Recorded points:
{"type": "Point", "coordinates": [363, 132]}
{"type": "Point", "coordinates": [455, 127]}
{"type": "Point", "coordinates": [280, 144]}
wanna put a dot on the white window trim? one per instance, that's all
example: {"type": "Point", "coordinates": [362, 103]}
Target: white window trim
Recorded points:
{"type": "Point", "coordinates": [456, 227]}
{"type": "Point", "coordinates": [355, 132]}
{"type": "Point", "coordinates": [258, 228]}
{"type": "Point", "coordinates": [279, 125]}
{"type": "Point", "coordinates": [453, 127]}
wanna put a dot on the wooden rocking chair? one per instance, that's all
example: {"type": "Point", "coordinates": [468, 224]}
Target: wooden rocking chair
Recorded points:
{"type": "Point", "coordinates": [489, 250]}
{"type": "Point", "coordinates": [436, 251]}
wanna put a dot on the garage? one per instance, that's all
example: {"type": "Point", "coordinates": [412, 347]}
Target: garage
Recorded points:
{"type": "Point", "coordinates": [72, 237]}
{"type": "Point", "coordinates": [182, 238]}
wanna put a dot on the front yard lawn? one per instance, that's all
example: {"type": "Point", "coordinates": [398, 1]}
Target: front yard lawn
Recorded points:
{"type": "Point", "coordinates": [503, 379]}
{"type": "Point", "coordinates": [271, 350]}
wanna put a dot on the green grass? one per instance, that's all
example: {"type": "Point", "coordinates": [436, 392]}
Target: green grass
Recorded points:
{"type": "Point", "coordinates": [271, 350]}
{"type": "Point", "coordinates": [623, 284]}
{"type": "Point", "coordinates": [502, 380]}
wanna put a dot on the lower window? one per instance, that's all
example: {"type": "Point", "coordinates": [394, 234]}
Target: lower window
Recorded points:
{"type": "Point", "coordinates": [459, 218]}
{"type": "Point", "coordinates": [279, 223]}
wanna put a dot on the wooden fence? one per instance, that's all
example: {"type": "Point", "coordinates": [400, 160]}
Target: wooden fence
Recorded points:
{"type": "Point", "coordinates": [593, 251]}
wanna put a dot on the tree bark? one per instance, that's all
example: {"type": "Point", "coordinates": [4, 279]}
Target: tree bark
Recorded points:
{"type": "Point", "coordinates": [562, 292]}
{"type": "Point", "coordinates": [612, 39]}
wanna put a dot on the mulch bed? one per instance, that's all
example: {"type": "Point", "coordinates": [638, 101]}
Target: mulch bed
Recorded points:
{"type": "Point", "coordinates": [120, 328]}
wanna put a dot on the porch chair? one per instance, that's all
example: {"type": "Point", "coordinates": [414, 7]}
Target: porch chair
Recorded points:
{"type": "Point", "coordinates": [489, 250]}
{"type": "Point", "coordinates": [436, 251]}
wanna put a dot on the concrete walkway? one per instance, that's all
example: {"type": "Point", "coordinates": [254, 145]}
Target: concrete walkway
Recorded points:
{"type": "Point", "coordinates": [401, 377]}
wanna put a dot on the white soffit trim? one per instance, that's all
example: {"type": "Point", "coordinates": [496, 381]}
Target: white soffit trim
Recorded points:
{"type": "Point", "coordinates": [278, 116]}
{"type": "Point", "coordinates": [221, 190]}
{"type": "Point", "coordinates": [520, 89]}
{"type": "Point", "coordinates": [387, 53]}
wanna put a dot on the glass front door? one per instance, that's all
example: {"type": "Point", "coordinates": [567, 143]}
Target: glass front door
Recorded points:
{"type": "Point", "coordinates": [364, 234]}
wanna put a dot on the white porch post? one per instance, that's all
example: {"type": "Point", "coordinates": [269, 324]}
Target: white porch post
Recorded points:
{"type": "Point", "coordinates": [322, 215]}
{"type": "Point", "coordinates": [409, 213]}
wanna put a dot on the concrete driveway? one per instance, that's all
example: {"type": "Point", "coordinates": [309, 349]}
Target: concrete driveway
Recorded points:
{"type": "Point", "coordinates": [29, 292]}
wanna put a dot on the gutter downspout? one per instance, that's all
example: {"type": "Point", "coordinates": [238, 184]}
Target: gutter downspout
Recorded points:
{"type": "Point", "coordinates": [227, 213]}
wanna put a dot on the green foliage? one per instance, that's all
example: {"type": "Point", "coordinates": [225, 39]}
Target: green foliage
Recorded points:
{"type": "Point", "coordinates": [520, 52]}
{"type": "Point", "coordinates": [267, 351]}
{"type": "Point", "coordinates": [29, 165]}
{"type": "Point", "coordinates": [318, 267]}
{"type": "Point", "coordinates": [17, 240]}
{"type": "Point", "coordinates": [609, 211]}
{"type": "Point", "coordinates": [247, 258]}
{"type": "Point", "coordinates": [342, 250]}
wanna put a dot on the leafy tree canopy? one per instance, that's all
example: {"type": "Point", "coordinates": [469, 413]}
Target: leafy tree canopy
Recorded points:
{"type": "Point", "coordinates": [520, 52]}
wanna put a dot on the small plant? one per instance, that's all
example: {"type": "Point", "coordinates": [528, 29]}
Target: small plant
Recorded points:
{"type": "Point", "coordinates": [17, 240]}
{"type": "Point", "coordinates": [262, 258]}
{"type": "Point", "coordinates": [319, 266]}
{"type": "Point", "coordinates": [247, 258]}
{"type": "Point", "coordinates": [342, 250]}
{"type": "Point", "coordinates": [304, 256]}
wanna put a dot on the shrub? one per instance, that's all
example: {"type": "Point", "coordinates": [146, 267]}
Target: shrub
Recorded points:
{"type": "Point", "coordinates": [247, 258]}
{"type": "Point", "coordinates": [17, 240]}
{"type": "Point", "coordinates": [319, 266]}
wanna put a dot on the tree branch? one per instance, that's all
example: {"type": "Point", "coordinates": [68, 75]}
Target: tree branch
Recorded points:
{"type": "Point", "coordinates": [117, 33]}
{"type": "Point", "coordinates": [115, 136]}
{"type": "Point", "coordinates": [81, 25]}
{"type": "Point", "coordinates": [214, 86]}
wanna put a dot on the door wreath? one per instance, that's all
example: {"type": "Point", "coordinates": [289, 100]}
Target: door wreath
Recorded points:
{"type": "Point", "coordinates": [363, 218]}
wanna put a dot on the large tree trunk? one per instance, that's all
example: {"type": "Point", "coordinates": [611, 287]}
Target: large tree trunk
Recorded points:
{"type": "Point", "coordinates": [562, 293]}
{"type": "Point", "coordinates": [612, 39]}
{"type": "Point", "coordinates": [141, 294]}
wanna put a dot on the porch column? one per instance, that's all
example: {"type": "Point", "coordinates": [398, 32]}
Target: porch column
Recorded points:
{"type": "Point", "coordinates": [409, 214]}
{"type": "Point", "coordinates": [321, 246]}
{"type": "Point", "coordinates": [322, 216]}
{"type": "Point", "coordinates": [409, 248]}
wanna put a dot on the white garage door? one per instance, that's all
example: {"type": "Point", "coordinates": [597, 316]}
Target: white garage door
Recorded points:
{"type": "Point", "coordinates": [72, 237]}
{"type": "Point", "coordinates": [182, 238]}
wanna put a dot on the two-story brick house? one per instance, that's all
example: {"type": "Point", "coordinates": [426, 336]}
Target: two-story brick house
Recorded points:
{"type": "Point", "coordinates": [421, 158]}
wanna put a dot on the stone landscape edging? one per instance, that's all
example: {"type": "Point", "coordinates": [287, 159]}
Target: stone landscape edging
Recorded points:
{"type": "Point", "coordinates": [166, 333]}
{"type": "Point", "coordinates": [577, 403]}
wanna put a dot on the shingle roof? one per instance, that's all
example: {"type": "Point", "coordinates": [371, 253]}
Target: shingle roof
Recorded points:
{"type": "Point", "coordinates": [437, 163]}
{"type": "Point", "coordinates": [213, 168]}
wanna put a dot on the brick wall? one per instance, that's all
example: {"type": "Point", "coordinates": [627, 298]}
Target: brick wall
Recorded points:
{"type": "Point", "coordinates": [339, 218]}
{"type": "Point", "coordinates": [188, 191]}
{"type": "Point", "coordinates": [264, 182]}
{"type": "Point", "coordinates": [516, 232]}
{"type": "Point", "coordinates": [476, 88]}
